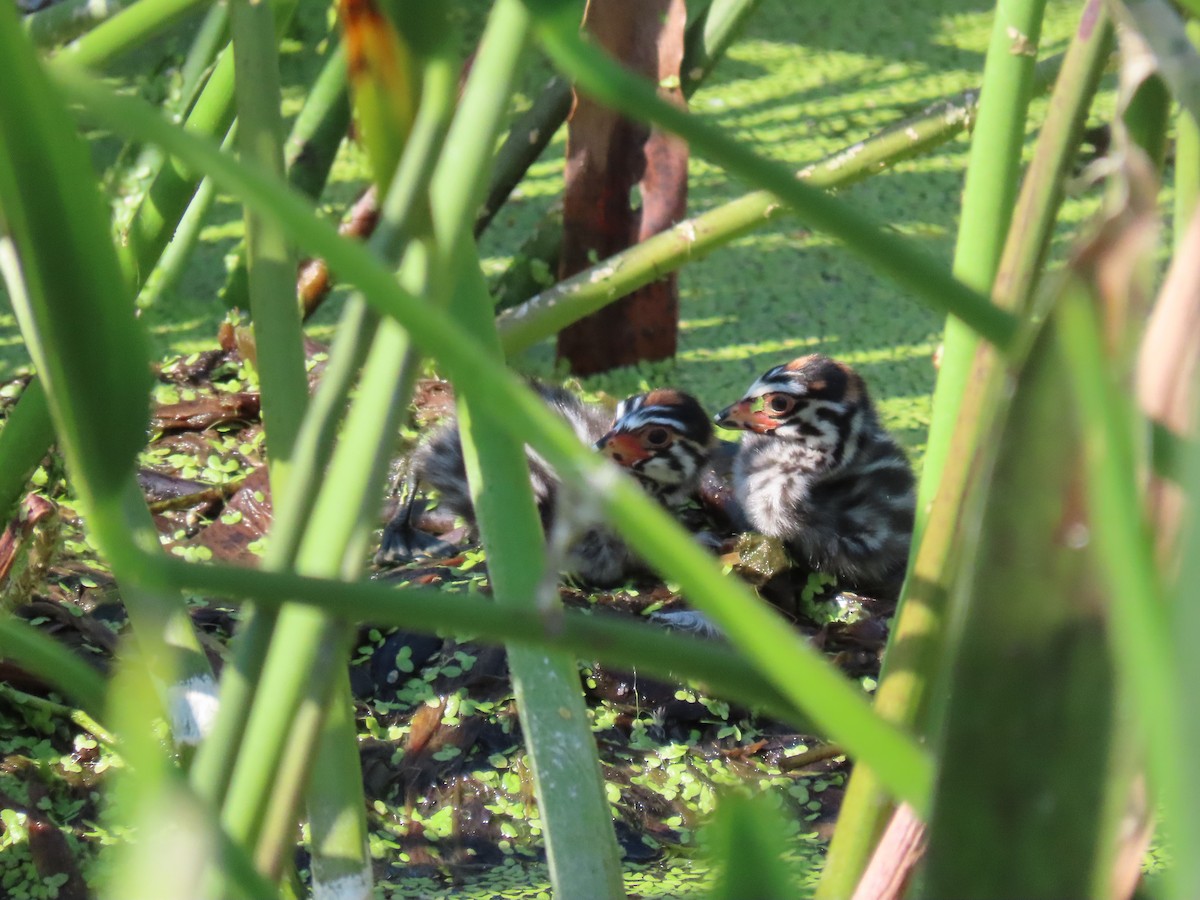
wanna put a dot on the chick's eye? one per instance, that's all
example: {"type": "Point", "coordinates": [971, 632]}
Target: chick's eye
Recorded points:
{"type": "Point", "coordinates": [657, 437]}
{"type": "Point", "coordinates": [780, 403]}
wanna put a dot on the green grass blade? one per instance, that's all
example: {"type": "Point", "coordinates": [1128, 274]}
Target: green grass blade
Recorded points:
{"type": "Point", "coordinates": [79, 326]}
{"type": "Point", "coordinates": [26, 438]}
{"type": "Point", "coordinates": [610, 639]}
{"type": "Point", "coordinates": [126, 31]}
{"type": "Point", "coordinates": [78, 321]}
{"type": "Point", "coordinates": [61, 22]}
{"type": "Point", "coordinates": [50, 661]}
{"type": "Point", "coordinates": [270, 262]}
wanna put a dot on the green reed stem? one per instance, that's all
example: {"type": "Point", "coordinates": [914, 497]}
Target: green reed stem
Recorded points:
{"type": "Point", "coordinates": [580, 843]}
{"type": "Point", "coordinates": [316, 440]}
{"type": "Point", "coordinates": [178, 252]}
{"type": "Point", "coordinates": [24, 441]}
{"type": "Point", "coordinates": [63, 21]}
{"type": "Point", "coordinates": [129, 29]}
{"type": "Point", "coordinates": [270, 261]}
{"type": "Point", "coordinates": [307, 651]}
{"type": "Point", "coordinates": [173, 187]}
{"type": "Point", "coordinates": [609, 638]}
{"type": "Point", "coordinates": [1184, 624]}
{"type": "Point", "coordinates": [47, 659]}
{"type": "Point", "coordinates": [988, 197]}
{"type": "Point", "coordinates": [707, 38]}
{"type": "Point", "coordinates": [581, 846]}
{"type": "Point", "coordinates": [81, 331]}
{"type": "Point", "coordinates": [340, 859]}
{"type": "Point", "coordinates": [309, 151]}
{"type": "Point", "coordinates": [1187, 159]}
{"type": "Point", "coordinates": [77, 717]}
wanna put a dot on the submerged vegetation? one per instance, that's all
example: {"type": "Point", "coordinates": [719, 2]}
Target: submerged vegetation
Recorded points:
{"type": "Point", "coordinates": [177, 613]}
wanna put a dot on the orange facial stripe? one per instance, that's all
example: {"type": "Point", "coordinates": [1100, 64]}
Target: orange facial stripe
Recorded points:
{"type": "Point", "coordinates": [750, 415]}
{"type": "Point", "coordinates": [623, 449]}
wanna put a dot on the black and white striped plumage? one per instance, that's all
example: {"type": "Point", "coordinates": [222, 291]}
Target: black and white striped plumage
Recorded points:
{"type": "Point", "coordinates": [438, 461]}
{"type": "Point", "coordinates": [817, 471]}
{"type": "Point", "coordinates": [664, 439]}
{"type": "Point", "coordinates": [667, 469]}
